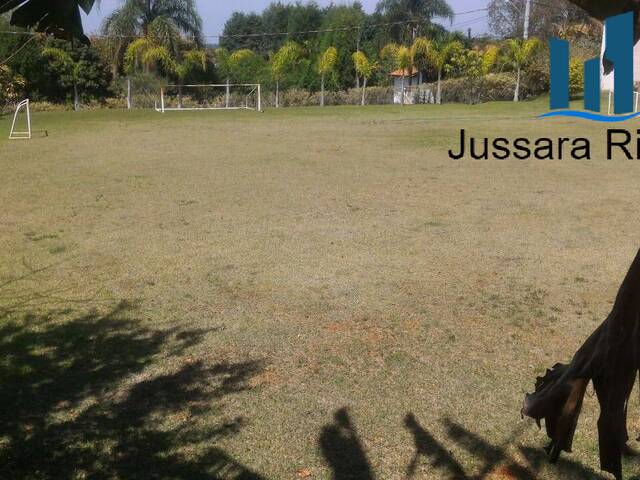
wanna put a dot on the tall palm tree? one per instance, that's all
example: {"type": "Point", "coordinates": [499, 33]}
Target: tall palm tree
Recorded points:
{"type": "Point", "coordinates": [326, 65]}
{"type": "Point", "coordinates": [416, 14]}
{"type": "Point", "coordinates": [420, 51]}
{"type": "Point", "coordinates": [364, 68]}
{"type": "Point", "coordinates": [438, 57]}
{"type": "Point", "coordinates": [146, 52]}
{"type": "Point", "coordinates": [230, 65]}
{"type": "Point", "coordinates": [281, 62]}
{"type": "Point", "coordinates": [399, 57]}
{"type": "Point", "coordinates": [138, 16]}
{"type": "Point", "coordinates": [520, 53]}
{"type": "Point", "coordinates": [161, 20]}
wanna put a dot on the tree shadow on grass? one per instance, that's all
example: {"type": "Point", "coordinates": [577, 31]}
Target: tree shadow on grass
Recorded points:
{"type": "Point", "coordinates": [80, 399]}
{"type": "Point", "coordinates": [491, 458]}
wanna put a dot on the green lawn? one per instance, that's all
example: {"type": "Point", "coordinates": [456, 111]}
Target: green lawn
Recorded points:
{"type": "Point", "coordinates": [304, 291]}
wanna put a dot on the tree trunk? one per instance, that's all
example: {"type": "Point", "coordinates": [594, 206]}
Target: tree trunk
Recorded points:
{"type": "Point", "coordinates": [364, 91]}
{"type": "Point", "coordinates": [129, 93]}
{"type": "Point", "coordinates": [439, 89]}
{"type": "Point", "coordinates": [277, 94]}
{"type": "Point", "coordinates": [402, 92]}
{"type": "Point", "coordinates": [226, 97]}
{"type": "Point", "coordinates": [76, 97]}
{"type": "Point", "coordinates": [322, 91]}
{"type": "Point", "coordinates": [516, 95]}
{"type": "Point", "coordinates": [180, 93]}
{"type": "Point", "coordinates": [608, 358]}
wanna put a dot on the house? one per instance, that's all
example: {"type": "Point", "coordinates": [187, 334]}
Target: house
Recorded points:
{"type": "Point", "coordinates": [607, 77]}
{"type": "Point", "coordinates": [409, 82]}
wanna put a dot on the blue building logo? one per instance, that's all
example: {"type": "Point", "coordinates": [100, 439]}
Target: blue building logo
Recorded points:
{"type": "Point", "coordinates": [619, 43]}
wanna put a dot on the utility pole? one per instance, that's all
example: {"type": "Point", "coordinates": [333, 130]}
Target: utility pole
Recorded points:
{"type": "Point", "coordinates": [527, 14]}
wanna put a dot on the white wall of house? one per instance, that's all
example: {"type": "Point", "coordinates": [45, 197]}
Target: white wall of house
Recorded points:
{"type": "Point", "coordinates": [607, 80]}
{"type": "Point", "coordinates": [397, 89]}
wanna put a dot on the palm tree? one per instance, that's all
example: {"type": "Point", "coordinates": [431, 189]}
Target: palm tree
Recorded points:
{"type": "Point", "coordinates": [520, 53]}
{"type": "Point", "coordinates": [230, 65]}
{"type": "Point", "coordinates": [413, 14]}
{"type": "Point", "coordinates": [438, 57]}
{"type": "Point", "coordinates": [326, 65]}
{"type": "Point", "coordinates": [162, 20]}
{"type": "Point", "coordinates": [191, 60]}
{"type": "Point", "coordinates": [138, 17]}
{"type": "Point", "coordinates": [281, 61]}
{"type": "Point", "coordinates": [148, 53]}
{"type": "Point", "coordinates": [399, 57]}
{"type": "Point", "coordinates": [67, 65]}
{"type": "Point", "coordinates": [420, 51]}
{"type": "Point", "coordinates": [364, 68]}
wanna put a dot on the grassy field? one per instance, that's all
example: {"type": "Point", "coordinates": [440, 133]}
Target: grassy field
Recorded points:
{"type": "Point", "coordinates": [303, 293]}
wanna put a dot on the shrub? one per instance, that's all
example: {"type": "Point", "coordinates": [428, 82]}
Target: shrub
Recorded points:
{"type": "Point", "coordinates": [576, 77]}
{"type": "Point", "coordinates": [472, 90]}
{"type": "Point", "coordinates": [11, 87]}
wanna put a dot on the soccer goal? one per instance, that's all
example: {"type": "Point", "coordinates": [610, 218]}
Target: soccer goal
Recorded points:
{"type": "Point", "coordinates": [176, 98]}
{"type": "Point", "coordinates": [20, 134]}
{"type": "Point", "coordinates": [636, 102]}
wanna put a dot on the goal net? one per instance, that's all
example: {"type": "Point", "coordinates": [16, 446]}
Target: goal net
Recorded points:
{"type": "Point", "coordinates": [21, 129]}
{"type": "Point", "coordinates": [210, 97]}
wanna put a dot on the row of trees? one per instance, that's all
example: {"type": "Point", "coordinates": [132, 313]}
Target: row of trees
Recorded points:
{"type": "Point", "coordinates": [349, 48]}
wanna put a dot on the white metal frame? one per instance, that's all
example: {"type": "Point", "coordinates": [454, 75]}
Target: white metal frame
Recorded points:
{"type": "Point", "coordinates": [636, 96]}
{"type": "Point", "coordinates": [13, 135]}
{"type": "Point", "coordinates": [256, 88]}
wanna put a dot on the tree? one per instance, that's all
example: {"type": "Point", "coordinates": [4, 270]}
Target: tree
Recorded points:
{"type": "Point", "coordinates": [145, 17]}
{"type": "Point", "coordinates": [63, 62]}
{"type": "Point", "coordinates": [440, 54]}
{"type": "Point", "coordinates": [191, 61]}
{"type": "Point", "coordinates": [416, 15]}
{"type": "Point", "coordinates": [11, 86]}
{"type": "Point", "coordinates": [608, 359]}
{"type": "Point", "coordinates": [146, 52]}
{"type": "Point", "coordinates": [364, 68]}
{"type": "Point", "coordinates": [420, 51]}
{"type": "Point", "coordinates": [520, 53]}
{"type": "Point", "coordinates": [281, 62]}
{"type": "Point", "coordinates": [490, 59]}
{"type": "Point", "coordinates": [240, 33]}
{"type": "Point", "coordinates": [326, 65]}
{"type": "Point", "coordinates": [60, 18]}
{"type": "Point", "coordinates": [506, 18]}
{"type": "Point", "coordinates": [231, 65]}
{"type": "Point", "coordinates": [399, 58]}
{"type": "Point", "coordinates": [345, 23]}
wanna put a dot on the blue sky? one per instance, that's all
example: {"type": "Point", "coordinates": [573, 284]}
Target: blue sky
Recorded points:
{"type": "Point", "coordinates": [216, 12]}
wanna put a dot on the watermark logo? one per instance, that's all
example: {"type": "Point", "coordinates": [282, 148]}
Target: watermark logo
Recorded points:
{"type": "Point", "coordinates": [619, 43]}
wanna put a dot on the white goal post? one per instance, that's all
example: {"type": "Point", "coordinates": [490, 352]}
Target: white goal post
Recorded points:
{"type": "Point", "coordinates": [233, 96]}
{"type": "Point", "coordinates": [16, 134]}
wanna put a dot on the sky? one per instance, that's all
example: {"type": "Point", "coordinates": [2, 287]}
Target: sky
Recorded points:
{"type": "Point", "coordinates": [216, 12]}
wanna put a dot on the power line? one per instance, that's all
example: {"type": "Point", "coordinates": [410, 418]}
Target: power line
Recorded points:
{"type": "Point", "coordinates": [277, 34]}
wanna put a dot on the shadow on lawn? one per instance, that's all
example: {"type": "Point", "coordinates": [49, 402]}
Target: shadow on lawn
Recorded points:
{"type": "Point", "coordinates": [344, 453]}
{"type": "Point", "coordinates": [78, 401]}
{"type": "Point", "coordinates": [343, 450]}
{"type": "Point", "coordinates": [493, 459]}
